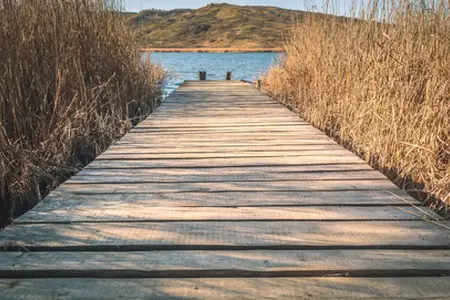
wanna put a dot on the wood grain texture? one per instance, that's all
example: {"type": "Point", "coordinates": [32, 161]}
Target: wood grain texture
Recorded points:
{"type": "Point", "coordinates": [128, 212]}
{"type": "Point", "coordinates": [60, 199]}
{"type": "Point", "coordinates": [222, 181]}
{"type": "Point", "coordinates": [254, 263]}
{"type": "Point", "coordinates": [229, 235]}
{"type": "Point", "coordinates": [330, 288]}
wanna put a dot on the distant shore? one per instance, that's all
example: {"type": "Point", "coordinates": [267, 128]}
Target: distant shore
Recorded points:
{"type": "Point", "coordinates": [213, 50]}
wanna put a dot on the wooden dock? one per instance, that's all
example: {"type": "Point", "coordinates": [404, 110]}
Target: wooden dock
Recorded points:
{"type": "Point", "coordinates": [223, 193]}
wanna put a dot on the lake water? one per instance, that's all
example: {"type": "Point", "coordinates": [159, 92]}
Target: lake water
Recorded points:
{"type": "Point", "coordinates": [185, 66]}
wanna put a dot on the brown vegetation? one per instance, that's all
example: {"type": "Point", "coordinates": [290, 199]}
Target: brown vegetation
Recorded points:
{"type": "Point", "coordinates": [71, 82]}
{"type": "Point", "coordinates": [380, 87]}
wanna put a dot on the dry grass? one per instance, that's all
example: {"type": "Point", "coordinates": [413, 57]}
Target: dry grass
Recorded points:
{"type": "Point", "coordinates": [381, 88]}
{"type": "Point", "coordinates": [71, 82]}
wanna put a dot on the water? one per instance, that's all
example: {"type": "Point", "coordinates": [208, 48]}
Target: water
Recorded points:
{"type": "Point", "coordinates": [185, 66]}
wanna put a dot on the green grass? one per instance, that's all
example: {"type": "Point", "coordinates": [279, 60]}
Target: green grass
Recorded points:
{"type": "Point", "coordinates": [216, 25]}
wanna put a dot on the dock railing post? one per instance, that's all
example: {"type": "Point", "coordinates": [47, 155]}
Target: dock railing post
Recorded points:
{"type": "Point", "coordinates": [202, 75]}
{"type": "Point", "coordinates": [259, 84]}
{"type": "Point", "coordinates": [229, 75]}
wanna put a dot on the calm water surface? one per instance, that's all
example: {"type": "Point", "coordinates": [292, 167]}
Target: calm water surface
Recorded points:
{"type": "Point", "coordinates": [185, 66]}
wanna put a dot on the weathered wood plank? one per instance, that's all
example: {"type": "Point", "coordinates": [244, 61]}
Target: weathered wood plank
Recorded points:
{"type": "Point", "coordinates": [254, 263]}
{"type": "Point", "coordinates": [59, 199]}
{"type": "Point", "coordinates": [147, 212]}
{"type": "Point", "coordinates": [331, 288]}
{"type": "Point", "coordinates": [225, 186]}
{"type": "Point", "coordinates": [208, 175]}
{"type": "Point", "coordinates": [257, 108]}
{"type": "Point", "coordinates": [220, 144]}
{"type": "Point", "coordinates": [227, 235]}
{"type": "Point", "coordinates": [137, 154]}
{"type": "Point", "coordinates": [241, 115]}
{"type": "Point", "coordinates": [224, 122]}
{"type": "Point", "coordinates": [215, 134]}
{"type": "Point", "coordinates": [297, 129]}
{"type": "Point", "coordinates": [229, 150]}
{"type": "Point", "coordinates": [148, 124]}
{"type": "Point", "coordinates": [152, 148]}
{"type": "Point", "coordinates": [289, 138]}
{"type": "Point", "coordinates": [226, 162]}
{"type": "Point", "coordinates": [295, 170]}
{"type": "Point", "coordinates": [229, 140]}
{"type": "Point", "coordinates": [281, 132]}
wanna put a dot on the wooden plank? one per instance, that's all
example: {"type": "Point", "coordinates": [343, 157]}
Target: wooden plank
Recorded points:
{"type": "Point", "coordinates": [224, 129]}
{"type": "Point", "coordinates": [217, 103]}
{"type": "Point", "coordinates": [225, 149]}
{"type": "Point", "coordinates": [254, 263]}
{"type": "Point", "coordinates": [222, 147]}
{"type": "Point", "coordinates": [151, 125]}
{"type": "Point", "coordinates": [232, 186]}
{"type": "Point", "coordinates": [309, 171]}
{"type": "Point", "coordinates": [225, 119]}
{"type": "Point", "coordinates": [219, 144]}
{"type": "Point", "coordinates": [211, 175]}
{"type": "Point", "coordinates": [238, 113]}
{"type": "Point", "coordinates": [59, 199]}
{"type": "Point", "coordinates": [224, 122]}
{"type": "Point", "coordinates": [231, 107]}
{"type": "Point", "coordinates": [141, 154]}
{"type": "Point", "coordinates": [286, 132]}
{"type": "Point", "coordinates": [290, 138]}
{"type": "Point", "coordinates": [226, 162]}
{"type": "Point", "coordinates": [227, 235]}
{"type": "Point", "coordinates": [330, 288]}
{"type": "Point", "coordinates": [126, 212]}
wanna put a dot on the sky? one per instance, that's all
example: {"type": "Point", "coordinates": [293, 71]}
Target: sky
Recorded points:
{"type": "Point", "coordinates": [342, 6]}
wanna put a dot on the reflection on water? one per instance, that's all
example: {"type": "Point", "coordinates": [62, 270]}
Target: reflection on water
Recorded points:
{"type": "Point", "coordinates": [185, 66]}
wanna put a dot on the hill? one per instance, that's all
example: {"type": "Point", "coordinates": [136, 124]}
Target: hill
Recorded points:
{"type": "Point", "coordinates": [216, 26]}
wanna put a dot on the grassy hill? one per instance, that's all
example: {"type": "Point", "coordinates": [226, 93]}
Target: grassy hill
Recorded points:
{"type": "Point", "coordinates": [216, 26]}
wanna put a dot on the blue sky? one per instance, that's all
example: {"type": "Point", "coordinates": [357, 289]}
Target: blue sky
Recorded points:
{"type": "Point", "coordinates": [136, 5]}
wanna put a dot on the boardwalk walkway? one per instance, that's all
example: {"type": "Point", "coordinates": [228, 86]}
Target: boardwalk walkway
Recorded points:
{"type": "Point", "coordinates": [224, 193]}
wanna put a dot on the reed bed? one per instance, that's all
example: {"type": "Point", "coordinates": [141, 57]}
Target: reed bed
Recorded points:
{"type": "Point", "coordinates": [380, 85]}
{"type": "Point", "coordinates": [71, 82]}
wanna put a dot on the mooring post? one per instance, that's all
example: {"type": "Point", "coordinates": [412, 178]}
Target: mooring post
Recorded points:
{"type": "Point", "coordinates": [202, 75]}
{"type": "Point", "coordinates": [229, 75]}
{"type": "Point", "coordinates": [259, 84]}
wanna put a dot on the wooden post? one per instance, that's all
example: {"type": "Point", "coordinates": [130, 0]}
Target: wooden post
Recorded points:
{"type": "Point", "coordinates": [259, 84]}
{"type": "Point", "coordinates": [229, 75]}
{"type": "Point", "coordinates": [202, 75]}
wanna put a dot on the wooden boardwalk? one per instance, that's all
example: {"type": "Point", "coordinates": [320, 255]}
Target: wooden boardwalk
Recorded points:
{"type": "Point", "coordinates": [223, 193]}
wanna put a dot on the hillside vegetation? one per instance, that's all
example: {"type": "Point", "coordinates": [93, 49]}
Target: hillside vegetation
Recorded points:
{"type": "Point", "coordinates": [381, 88]}
{"type": "Point", "coordinates": [216, 26]}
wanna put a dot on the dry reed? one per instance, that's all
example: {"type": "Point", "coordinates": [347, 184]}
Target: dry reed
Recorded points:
{"type": "Point", "coordinates": [71, 82]}
{"type": "Point", "coordinates": [380, 85]}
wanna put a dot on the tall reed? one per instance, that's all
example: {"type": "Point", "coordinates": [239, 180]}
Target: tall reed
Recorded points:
{"type": "Point", "coordinates": [380, 84]}
{"type": "Point", "coordinates": [71, 82]}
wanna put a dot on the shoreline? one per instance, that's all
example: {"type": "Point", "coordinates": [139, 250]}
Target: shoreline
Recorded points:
{"type": "Point", "coordinates": [214, 50]}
